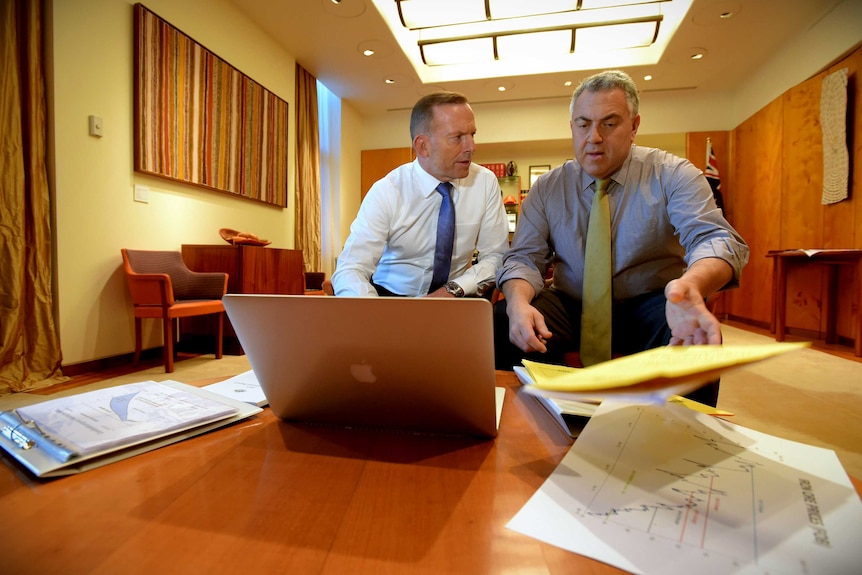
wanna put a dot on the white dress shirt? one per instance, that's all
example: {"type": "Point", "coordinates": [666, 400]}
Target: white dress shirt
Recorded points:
{"type": "Point", "coordinates": [394, 235]}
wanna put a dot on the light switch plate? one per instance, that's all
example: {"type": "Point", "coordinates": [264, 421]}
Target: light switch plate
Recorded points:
{"type": "Point", "coordinates": [142, 194]}
{"type": "Point", "coordinates": [96, 126]}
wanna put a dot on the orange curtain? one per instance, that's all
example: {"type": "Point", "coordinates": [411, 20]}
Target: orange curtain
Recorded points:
{"type": "Point", "coordinates": [29, 346]}
{"type": "Point", "coordinates": [307, 171]}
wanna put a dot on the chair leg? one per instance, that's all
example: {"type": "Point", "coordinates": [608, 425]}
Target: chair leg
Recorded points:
{"type": "Point", "coordinates": [138, 340]}
{"type": "Point", "coordinates": [220, 336]}
{"type": "Point", "coordinates": [168, 335]}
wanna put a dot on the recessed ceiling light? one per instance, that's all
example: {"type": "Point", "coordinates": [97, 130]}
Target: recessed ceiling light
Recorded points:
{"type": "Point", "coordinates": [501, 88]}
{"type": "Point", "coordinates": [648, 77]}
{"type": "Point", "coordinates": [567, 83]}
{"type": "Point", "coordinates": [368, 52]}
{"type": "Point", "coordinates": [726, 15]}
{"type": "Point", "coordinates": [389, 81]}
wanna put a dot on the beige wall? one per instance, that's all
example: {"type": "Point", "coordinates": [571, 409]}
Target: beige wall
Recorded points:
{"type": "Point", "coordinates": [94, 179]}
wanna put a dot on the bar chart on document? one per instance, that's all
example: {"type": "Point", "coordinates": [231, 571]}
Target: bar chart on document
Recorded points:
{"type": "Point", "coordinates": [654, 489]}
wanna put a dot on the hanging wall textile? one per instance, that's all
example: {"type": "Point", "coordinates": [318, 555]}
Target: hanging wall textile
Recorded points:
{"type": "Point", "coordinates": [833, 121]}
{"type": "Point", "coordinates": [201, 121]}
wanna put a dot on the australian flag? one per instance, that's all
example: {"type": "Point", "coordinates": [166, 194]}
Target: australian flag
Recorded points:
{"type": "Point", "coordinates": [712, 176]}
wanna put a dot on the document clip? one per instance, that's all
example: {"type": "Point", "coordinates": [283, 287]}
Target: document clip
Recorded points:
{"type": "Point", "coordinates": [11, 432]}
{"type": "Point", "coordinates": [27, 435]}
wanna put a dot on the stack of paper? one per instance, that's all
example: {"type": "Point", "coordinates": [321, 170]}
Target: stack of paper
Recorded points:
{"type": "Point", "coordinates": [79, 432]}
{"type": "Point", "coordinates": [650, 376]}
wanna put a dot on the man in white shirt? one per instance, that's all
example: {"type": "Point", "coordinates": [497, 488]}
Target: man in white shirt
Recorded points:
{"type": "Point", "coordinates": [391, 247]}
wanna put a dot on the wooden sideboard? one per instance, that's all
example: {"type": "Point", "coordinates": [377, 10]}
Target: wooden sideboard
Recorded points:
{"type": "Point", "coordinates": [250, 269]}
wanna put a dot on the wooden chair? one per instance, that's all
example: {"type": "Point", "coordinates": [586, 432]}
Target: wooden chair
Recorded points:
{"type": "Point", "coordinates": [162, 287]}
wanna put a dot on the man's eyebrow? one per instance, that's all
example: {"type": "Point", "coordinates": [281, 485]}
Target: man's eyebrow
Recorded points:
{"type": "Point", "coordinates": [613, 116]}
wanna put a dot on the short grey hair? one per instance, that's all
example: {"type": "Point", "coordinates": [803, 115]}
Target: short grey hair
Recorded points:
{"type": "Point", "coordinates": [609, 80]}
{"type": "Point", "coordinates": [423, 110]}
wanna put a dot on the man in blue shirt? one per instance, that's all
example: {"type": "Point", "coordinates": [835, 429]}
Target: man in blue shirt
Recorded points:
{"type": "Point", "coordinates": [671, 247]}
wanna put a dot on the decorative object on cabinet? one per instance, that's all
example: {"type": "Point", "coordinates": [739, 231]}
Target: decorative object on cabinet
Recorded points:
{"type": "Point", "coordinates": [511, 169]}
{"type": "Point", "coordinates": [163, 287]}
{"type": "Point", "coordinates": [236, 238]}
{"type": "Point", "coordinates": [231, 137]}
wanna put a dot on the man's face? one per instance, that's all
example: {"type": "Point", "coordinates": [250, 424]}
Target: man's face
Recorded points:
{"type": "Point", "coordinates": [446, 152]}
{"type": "Point", "coordinates": [603, 131]}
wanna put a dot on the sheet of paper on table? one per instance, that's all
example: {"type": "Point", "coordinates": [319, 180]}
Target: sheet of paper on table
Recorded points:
{"type": "Point", "coordinates": [666, 490]}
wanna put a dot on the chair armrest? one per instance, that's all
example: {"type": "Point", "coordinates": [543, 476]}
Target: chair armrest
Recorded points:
{"type": "Point", "coordinates": [151, 289]}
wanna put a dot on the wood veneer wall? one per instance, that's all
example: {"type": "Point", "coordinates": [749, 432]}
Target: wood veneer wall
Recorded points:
{"type": "Point", "coordinates": [772, 190]}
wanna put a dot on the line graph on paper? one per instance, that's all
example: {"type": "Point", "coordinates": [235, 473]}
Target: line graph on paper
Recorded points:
{"type": "Point", "coordinates": [655, 489]}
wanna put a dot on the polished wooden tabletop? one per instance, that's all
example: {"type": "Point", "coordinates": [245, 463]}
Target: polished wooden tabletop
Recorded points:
{"type": "Point", "coordinates": [266, 496]}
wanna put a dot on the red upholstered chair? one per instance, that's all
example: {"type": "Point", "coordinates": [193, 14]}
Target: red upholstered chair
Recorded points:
{"type": "Point", "coordinates": [162, 287]}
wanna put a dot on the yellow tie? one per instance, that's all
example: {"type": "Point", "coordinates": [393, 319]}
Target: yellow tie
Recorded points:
{"type": "Point", "coordinates": [596, 303]}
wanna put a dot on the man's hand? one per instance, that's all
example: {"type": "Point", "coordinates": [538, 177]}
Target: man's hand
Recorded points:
{"type": "Point", "coordinates": [439, 292]}
{"type": "Point", "coordinates": [689, 319]}
{"type": "Point", "coordinates": [527, 328]}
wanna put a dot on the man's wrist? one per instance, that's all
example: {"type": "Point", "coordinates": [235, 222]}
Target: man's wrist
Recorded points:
{"type": "Point", "coordinates": [454, 289]}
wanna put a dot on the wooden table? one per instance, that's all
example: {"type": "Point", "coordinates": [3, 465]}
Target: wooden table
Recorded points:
{"type": "Point", "coordinates": [266, 496]}
{"type": "Point", "coordinates": [831, 259]}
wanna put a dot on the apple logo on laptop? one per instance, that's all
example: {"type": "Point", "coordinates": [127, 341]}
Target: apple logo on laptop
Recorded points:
{"type": "Point", "coordinates": [362, 372]}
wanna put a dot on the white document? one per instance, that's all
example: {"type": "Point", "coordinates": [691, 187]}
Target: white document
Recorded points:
{"type": "Point", "coordinates": [99, 420]}
{"type": "Point", "coordinates": [242, 387]}
{"type": "Point", "coordinates": [43, 462]}
{"type": "Point", "coordinates": [667, 490]}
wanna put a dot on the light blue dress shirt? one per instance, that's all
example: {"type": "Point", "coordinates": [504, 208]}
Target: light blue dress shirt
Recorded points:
{"type": "Point", "coordinates": [663, 219]}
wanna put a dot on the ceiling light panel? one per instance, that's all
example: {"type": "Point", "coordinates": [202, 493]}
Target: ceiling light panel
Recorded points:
{"type": "Point", "coordinates": [454, 40]}
{"type": "Point", "coordinates": [534, 45]}
{"type": "Point", "coordinates": [616, 36]}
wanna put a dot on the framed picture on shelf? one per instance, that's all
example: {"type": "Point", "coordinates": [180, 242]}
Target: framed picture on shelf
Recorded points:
{"type": "Point", "coordinates": [536, 171]}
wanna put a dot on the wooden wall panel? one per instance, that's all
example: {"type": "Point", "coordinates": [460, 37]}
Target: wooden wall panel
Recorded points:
{"type": "Point", "coordinates": [378, 163]}
{"type": "Point", "coordinates": [764, 200]}
{"type": "Point", "coordinates": [741, 301]}
{"type": "Point", "coordinates": [802, 217]}
{"type": "Point", "coordinates": [776, 175]}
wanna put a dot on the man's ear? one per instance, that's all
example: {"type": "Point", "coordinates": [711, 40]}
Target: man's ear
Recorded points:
{"type": "Point", "coordinates": [420, 144]}
{"type": "Point", "coordinates": [635, 125]}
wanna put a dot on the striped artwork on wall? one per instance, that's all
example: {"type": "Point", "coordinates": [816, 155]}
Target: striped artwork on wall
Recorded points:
{"type": "Point", "coordinates": [201, 121]}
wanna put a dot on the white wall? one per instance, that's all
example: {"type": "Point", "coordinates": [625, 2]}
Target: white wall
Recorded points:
{"type": "Point", "coordinates": [93, 177]}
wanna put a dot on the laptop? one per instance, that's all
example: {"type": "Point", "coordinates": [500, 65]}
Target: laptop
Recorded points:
{"type": "Point", "coordinates": [411, 364]}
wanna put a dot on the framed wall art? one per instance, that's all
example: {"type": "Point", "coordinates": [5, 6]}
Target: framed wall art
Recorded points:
{"type": "Point", "coordinates": [536, 171]}
{"type": "Point", "coordinates": [200, 121]}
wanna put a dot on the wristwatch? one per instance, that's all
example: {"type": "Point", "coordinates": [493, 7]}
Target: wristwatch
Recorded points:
{"type": "Point", "coordinates": [454, 289]}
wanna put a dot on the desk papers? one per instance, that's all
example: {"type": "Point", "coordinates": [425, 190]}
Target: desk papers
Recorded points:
{"type": "Point", "coordinates": [243, 387]}
{"type": "Point", "coordinates": [660, 489]}
{"type": "Point", "coordinates": [653, 375]}
{"type": "Point", "coordinates": [106, 425]}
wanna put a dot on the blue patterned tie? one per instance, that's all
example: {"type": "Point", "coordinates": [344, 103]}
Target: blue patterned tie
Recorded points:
{"type": "Point", "coordinates": [445, 238]}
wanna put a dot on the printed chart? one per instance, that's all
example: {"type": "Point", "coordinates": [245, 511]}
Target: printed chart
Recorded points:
{"type": "Point", "coordinates": [663, 489]}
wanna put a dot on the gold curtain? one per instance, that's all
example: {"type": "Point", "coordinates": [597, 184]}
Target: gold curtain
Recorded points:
{"type": "Point", "coordinates": [29, 346]}
{"type": "Point", "coordinates": [307, 171]}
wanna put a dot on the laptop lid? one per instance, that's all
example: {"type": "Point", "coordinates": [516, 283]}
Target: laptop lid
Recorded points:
{"type": "Point", "coordinates": [417, 364]}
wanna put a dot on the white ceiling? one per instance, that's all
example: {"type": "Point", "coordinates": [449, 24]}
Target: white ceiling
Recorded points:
{"type": "Point", "coordinates": [326, 38]}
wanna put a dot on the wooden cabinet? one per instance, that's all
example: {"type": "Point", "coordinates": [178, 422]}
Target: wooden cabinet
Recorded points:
{"type": "Point", "coordinates": [250, 269]}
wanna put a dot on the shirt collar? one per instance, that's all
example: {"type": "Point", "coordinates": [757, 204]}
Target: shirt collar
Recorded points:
{"type": "Point", "coordinates": [428, 183]}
